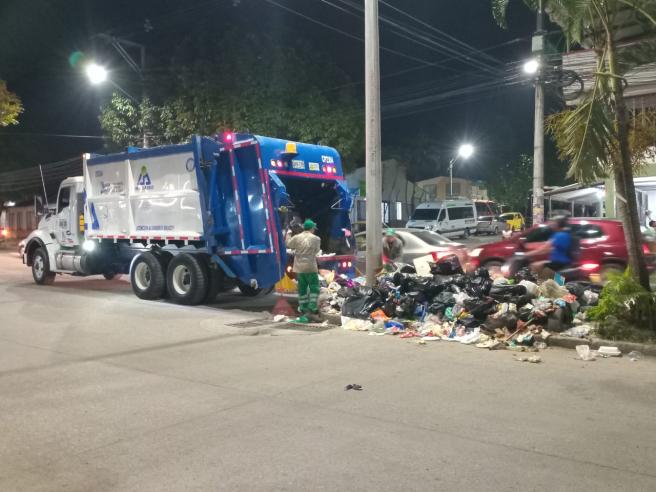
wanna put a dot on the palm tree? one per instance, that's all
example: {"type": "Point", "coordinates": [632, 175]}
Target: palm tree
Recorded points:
{"type": "Point", "coordinates": [595, 136]}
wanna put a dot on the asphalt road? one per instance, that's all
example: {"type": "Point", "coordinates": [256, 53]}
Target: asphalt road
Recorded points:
{"type": "Point", "coordinates": [104, 392]}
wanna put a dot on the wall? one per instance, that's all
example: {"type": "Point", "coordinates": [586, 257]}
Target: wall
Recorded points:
{"type": "Point", "coordinates": [20, 221]}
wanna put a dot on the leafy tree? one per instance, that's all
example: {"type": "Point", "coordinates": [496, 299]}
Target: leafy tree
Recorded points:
{"type": "Point", "coordinates": [126, 122]}
{"type": "Point", "coordinates": [10, 106]}
{"type": "Point", "coordinates": [512, 182]}
{"type": "Point", "coordinates": [248, 84]}
{"type": "Point", "coordinates": [596, 136]}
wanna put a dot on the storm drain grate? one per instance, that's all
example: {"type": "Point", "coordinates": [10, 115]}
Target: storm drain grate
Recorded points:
{"type": "Point", "coordinates": [261, 322]}
{"type": "Point", "coordinates": [253, 323]}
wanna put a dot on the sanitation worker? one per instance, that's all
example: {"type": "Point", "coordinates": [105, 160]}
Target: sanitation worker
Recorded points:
{"type": "Point", "coordinates": [392, 248]}
{"type": "Point", "coordinates": [306, 246]}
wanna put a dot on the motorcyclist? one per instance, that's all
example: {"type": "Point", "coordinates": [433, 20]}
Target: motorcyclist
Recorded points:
{"type": "Point", "coordinates": [559, 248]}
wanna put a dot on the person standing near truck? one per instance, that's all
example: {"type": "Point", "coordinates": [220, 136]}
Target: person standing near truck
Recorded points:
{"type": "Point", "coordinates": [306, 246]}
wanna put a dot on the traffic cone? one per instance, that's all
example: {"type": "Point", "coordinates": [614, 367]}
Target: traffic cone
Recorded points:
{"type": "Point", "coordinates": [282, 307]}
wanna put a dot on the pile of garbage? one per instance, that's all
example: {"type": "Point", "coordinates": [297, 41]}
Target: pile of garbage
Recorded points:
{"type": "Point", "coordinates": [517, 313]}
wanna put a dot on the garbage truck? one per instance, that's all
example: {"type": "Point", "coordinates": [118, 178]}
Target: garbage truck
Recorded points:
{"type": "Point", "coordinates": [189, 221]}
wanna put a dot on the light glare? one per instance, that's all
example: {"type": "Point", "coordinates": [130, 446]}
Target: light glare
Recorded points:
{"type": "Point", "coordinates": [96, 73]}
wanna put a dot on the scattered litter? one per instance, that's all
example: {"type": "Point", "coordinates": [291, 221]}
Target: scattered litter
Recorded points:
{"type": "Point", "coordinates": [280, 318]}
{"type": "Point", "coordinates": [353, 386]}
{"type": "Point", "coordinates": [634, 355]}
{"type": "Point", "coordinates": [578, 331]}
{"type": "Point", "coordinates": [606, 351]}
{"type": "Point", "coordinates": [533, 359]}
{"type": "Point", "coordinates": [585, 353]}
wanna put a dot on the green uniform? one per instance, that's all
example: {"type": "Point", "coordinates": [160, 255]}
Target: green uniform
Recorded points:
{"type": "Point", "coordinates": [306, 247]}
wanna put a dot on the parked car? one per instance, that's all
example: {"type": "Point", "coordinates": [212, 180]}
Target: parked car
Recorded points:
{"type": "Point", "coordinates": [489, 224]}
{"type": "Point", "coordinates": [417, 243]}
{"type": "Point", "coordinates": [602, 247]}
{"type": "Point", "coordinates": [514, 221]}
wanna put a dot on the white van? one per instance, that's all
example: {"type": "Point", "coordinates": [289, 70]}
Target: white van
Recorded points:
{"type": "Point", "coordinates": [455, 217]}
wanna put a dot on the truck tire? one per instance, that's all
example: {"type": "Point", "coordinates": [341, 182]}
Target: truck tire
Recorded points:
{"type": "Point", "coordinates": [147, 277]}
{"type": "Point", "coordinates": [187, 279]}
{"type": "Point", "coordinates": [41, 268]}
{"type": "Point", "coordinates": [215, 281]}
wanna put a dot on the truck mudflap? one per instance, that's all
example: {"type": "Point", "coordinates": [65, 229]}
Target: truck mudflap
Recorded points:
{"type": "Point", "coordinates": [240, 223]}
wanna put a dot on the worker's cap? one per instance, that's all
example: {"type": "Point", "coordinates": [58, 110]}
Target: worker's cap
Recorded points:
{"type": "Point", "coordinates": [309, 224]}
{"type": "Point", "coordinates": [390, 232]}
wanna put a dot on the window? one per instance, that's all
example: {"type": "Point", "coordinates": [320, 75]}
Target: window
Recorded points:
{"type": "Point", "coordinates": [442, 215]}
{"type": "Point", "coordinates": [587, 231]}
{"type": "Point", "coordinates": [399, 211]}
{"type": "Point", "coordinates": [482, 208]}
{"type": "Point", "coordinates": [425, 214]}
{"type": "Point", "coordinates": [456, 188]}
{"type": "Point", "coordinates": [385, 211]}
{"type": "Point", "coordinates": [460, 213]}
{"type": "Point", "coordinates": [539, 235]}
{"type": "Point", "coordinates": [64, 199]}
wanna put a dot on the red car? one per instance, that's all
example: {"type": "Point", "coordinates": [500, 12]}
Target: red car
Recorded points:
{"type": "Point", "coordinates": [602, 246]}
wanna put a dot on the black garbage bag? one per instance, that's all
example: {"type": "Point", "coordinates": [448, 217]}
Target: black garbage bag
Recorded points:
{"type": "Point", "coordinates": [481, 272]}
{"type": "Point", "coordinates": [479, 287]}
{"type": "Point", "coordinates": [442, 301]}
{"type": "Point", "coordinates": [353, 307]}
{"type": "Point", "coordinates": [447, 265]}
{"type": "Point", "coordinates": [525, 273]}
{"type": "Point", "coordinates": [525, 313]}
{"type": "Point", "coordinates": [389, 308]}
{"type": "Point", "coordinates": [504, 293]}
{"type": "Point", "coordinates": [460, 280]}
{"type": "Point", "coordinates": [520, 301]}
{"type": "Point", "coordinates": [469, 321]}
{"type": "Point", "coordinates": [405, 268]}
{"type": "Point", "coordinates": [507, 320]}
{"type": "Point", "coordinates": [364, 302]}
{"type": "Point", "coordinates": [406, 307]}
{"type": "Point", "coordinates": [417, 296]}
{"type": "Point", "coordinates": [480, 308]}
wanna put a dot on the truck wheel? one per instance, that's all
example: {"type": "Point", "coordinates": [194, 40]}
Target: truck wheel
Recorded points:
{"type": "Point", "coordinates": [147, 277]}
{"type": "Point", "coordinates": [496, 231]}
{"type": "Point", "coordinates": [186, 279]}
{"type": "Point", "coordinates": [41, 268]}
{"type": "Point", "coordinates": [465, 234]}
{"type": "Point", "coordinates": [215, 279]}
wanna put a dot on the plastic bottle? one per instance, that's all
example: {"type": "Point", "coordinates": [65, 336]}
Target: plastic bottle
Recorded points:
{"type": "Point", "coordinates": [634, 355]}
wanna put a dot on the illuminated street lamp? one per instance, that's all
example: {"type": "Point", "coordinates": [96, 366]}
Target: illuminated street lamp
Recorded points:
{"type": "Point", "coordinates": [465, 151]}
{"type": "Point", "coordinates": [532, 66]}
{"type": "Point", "coordinates": [96, 74]}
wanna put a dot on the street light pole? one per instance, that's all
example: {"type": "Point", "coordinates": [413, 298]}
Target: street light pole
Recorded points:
{"type": "Point", "coordinates": [373, 167]}
{"type": "Point", "coordinates": [538, 138]}
{"type": "Point", "coordinates": [451, 163]}
{"type": "Point", "coordinates": [138, 67]}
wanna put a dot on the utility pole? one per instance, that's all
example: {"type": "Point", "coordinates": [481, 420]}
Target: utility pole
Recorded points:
{"type": "Point", "coordinates": [538, 139]}
{"type": "Point", "coordinates": [373, 167]}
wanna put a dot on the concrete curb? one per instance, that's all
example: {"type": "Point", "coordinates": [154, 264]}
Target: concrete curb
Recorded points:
{"type": "Point", "coordinates": [595, 343]}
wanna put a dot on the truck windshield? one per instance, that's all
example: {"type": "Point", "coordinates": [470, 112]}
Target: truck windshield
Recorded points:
{"type": "Point", "coordinates": [425, 214]}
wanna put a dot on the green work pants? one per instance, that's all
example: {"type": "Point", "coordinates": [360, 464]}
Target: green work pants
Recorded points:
{"type": "Point", "coordinates": [308, 292]}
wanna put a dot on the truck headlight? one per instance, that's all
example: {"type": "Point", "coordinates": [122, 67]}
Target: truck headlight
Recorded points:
{"type": "Point", "coordinates": [89, 246]}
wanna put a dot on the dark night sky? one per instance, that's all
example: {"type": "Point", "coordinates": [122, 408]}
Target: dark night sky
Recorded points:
{"type": "Point", "coordinates": [39, 35]}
